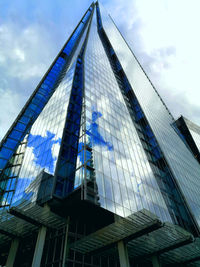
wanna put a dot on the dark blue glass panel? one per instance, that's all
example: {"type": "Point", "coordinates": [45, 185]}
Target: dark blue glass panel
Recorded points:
{"type": "Point", "coordinates": [139, 115]}
{"type": "Point", "coordinates": [99, 18]}
{"type": "Point", "coordinates": [59, 189]}
{"type": "Point", "coordinates": [16, 135]}
{"type": "Point", "coordinates": [6, 153]}
{"type": "Point", "coordinates": [29, 113]}
{"type": "Point", "coordinates": [152, 141]}
{"type": "Point", "coordinates": [20, 126]}
{"type": "Point", "coordinates": [38, 100]}
{"type": "Point", "coordinates": [70, 45]}
{"type": "Point", "coordinates": [157, 153]}
{"type": "Point", "coordinates": [2, 162]}
{"type": "Point", "coordinates": [25, 119]}
{"type": "Point", "coordinates": [84, 20]}
{"type": "Point", "coordinates": [10, 143]}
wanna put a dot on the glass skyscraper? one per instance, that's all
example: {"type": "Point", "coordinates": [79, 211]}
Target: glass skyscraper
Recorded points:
{"type": "Point", "coordinates": [95, 171]}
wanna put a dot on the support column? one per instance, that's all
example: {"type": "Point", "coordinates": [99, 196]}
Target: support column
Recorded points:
{"type": "Point", "coordinates": [155, 261]}
{"type": "Point", "coordinates": [66, 247]}
{"type": "Point", "coordinates": [123, 254]}
{"type": "Point", "coordinates": [39, 247]}
{"type": "Point", "coordinates": [12, 252]}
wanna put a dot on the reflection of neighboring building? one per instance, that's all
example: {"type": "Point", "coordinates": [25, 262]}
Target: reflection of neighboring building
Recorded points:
{"type": "Point", "coordinates": [191, 133]}
{"type": "Point", "coordinates": [93, 172]}
{"type": "Point", "coordinates": [38, 191]}
{"type": "Point", "coordinates": [41, 188]}
{"type": "Point", "coordinates": [45, 188]}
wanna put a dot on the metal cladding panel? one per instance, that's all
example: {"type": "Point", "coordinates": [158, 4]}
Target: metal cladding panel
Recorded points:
{"type": "Point", "coordinates": [184, 167]}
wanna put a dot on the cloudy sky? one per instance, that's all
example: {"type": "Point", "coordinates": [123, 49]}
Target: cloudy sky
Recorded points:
{"type": "Point", "coordinates": [163, 34]}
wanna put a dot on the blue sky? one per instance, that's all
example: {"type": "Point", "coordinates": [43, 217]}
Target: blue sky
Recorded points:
{"type": "Point", "coordinates": [162, 33]}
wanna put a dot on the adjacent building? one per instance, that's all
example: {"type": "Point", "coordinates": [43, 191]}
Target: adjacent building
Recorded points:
{"type": "Point", "coordinates": [191, 134]}
{"type": "Point", "coordinates": [95, 171]}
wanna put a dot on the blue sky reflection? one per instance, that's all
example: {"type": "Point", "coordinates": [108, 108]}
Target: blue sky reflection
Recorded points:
{"type": "Point", "coordinates": [93, 132]}
{"type": "Point", "coordinates": [40, 145]}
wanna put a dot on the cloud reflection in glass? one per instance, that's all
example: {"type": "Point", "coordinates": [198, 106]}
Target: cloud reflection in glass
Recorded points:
{"type": "Point", "coordinates": [42, 149]}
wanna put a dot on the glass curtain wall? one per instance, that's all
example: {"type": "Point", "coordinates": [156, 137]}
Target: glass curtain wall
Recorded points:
{"type": "Point", "coordinates": [110, 151]}
{"type": "Point", "coordinates": [182, 164]}
{"type": "Point", "coordinates": [44, 140]}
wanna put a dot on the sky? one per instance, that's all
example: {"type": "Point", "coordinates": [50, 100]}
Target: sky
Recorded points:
{"type": "Point", "coordinates": [163, 34]}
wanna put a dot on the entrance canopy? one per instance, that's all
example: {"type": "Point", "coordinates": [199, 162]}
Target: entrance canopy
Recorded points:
{"type": "Point", "coordinates": [145, 236]}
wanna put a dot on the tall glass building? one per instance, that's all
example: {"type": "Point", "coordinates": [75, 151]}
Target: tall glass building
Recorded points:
{"type": "Point", "coordinates": [95, 171]}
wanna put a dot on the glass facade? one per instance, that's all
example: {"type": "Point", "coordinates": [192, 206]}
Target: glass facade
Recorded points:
{"type": "Point", "coordinates": [97, 126]}
{"type": "Point", "coordinates": [44, 138]}
{"type": "Point", "coordinates": [115, 157]}
{"type": "Point", "coordinates": [111, 154]}
{"type": "Point", "coordinates": [183, 166]}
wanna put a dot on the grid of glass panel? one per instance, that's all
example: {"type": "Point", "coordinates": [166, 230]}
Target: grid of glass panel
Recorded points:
{"type": "Point", "coordinates": [32, 110]}
{"type": "Point", "coordinates": [157, 162]}
{"type": "Point", "coordinates": [45, 138]}
{"type": "Point", "coordinates": [40, 143]}
{"type": "Point", "coordinates": [116, 159]}
{"type": "Point", "coordinates": [10, 176]}
{"type": "Point", "coordinates": [73, 40]}
{"type": "Point", "coordinates": [182, 164]}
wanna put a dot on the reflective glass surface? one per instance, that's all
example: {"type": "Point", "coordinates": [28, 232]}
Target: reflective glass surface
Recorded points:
{"type": "Point", "coordinates": [183, 166]}
{"type": "Point", "coordinates": [43, 142]}
{"type": "Point", "coordinates": [196, 138]}
{"type": "Point", "coordinates": [110, 151]}
{"type": "Point", "coordinates": [34, 106]}
{"type": "Point", "coordinates": [45, 137]}
{"type": "Point", "coordinates": [10, 176]}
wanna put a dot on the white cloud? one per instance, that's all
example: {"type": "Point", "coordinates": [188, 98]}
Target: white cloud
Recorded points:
{"type": "Point", "coordinates": [163, 36]}
{"type": "Point", "coordinates": [19, 54]}
{"type": "Point", "coordinates": [21, 67]}
{"type": "Point", "coordinates": [165, 39]}
{"type": "Point", "coordinates": [9, 103]}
